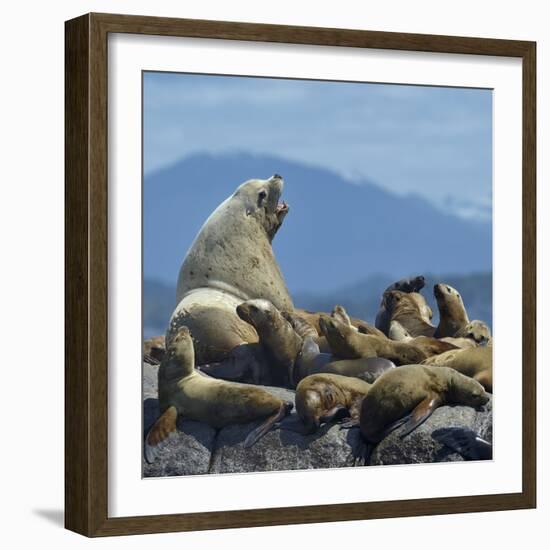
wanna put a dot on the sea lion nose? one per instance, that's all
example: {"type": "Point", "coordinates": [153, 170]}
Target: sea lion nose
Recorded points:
{"type": "Point", "coordinates": [277, 177]}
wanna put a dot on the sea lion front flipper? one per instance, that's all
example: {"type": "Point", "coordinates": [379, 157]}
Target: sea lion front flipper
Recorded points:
{"type": "Point", "coordinates": [263, 428]}
{"type": "Point", "coordinates": [336, 413]}
{"type": "Point", "coordinates": [160, 430]}
{"type": "Point", "coordinates": [420, 414]}
{"type": "Point", "coordinates": [465, 442]}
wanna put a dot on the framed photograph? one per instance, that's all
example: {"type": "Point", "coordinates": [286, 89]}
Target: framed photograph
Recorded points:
{"type": "Point", "coordinates": [300, 274]}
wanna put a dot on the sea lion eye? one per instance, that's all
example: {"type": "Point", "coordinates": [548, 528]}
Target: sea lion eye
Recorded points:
{"type": "Point", "coordinates": [261, 197]}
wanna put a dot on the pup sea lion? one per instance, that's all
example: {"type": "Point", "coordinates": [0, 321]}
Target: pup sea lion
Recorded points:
{"type": "Point", "coordinates": [322, 398]}
{"type": "Point", "coordinates": [185, 391]}
{"type": "Point", "coordinates": [478, 331]}
{"type": "Point", "coordinates": [350, 344]}
{"type": "Point", "coordinates": [410, 309]}
{"type": "Point", "coordinates": [412, 284]}
{"type": "Point", "coordinates": [452, 313]}
{"type": "Point", "coordinates": [410, 394]}
{"type": "Point", "coordinates": [476, 363]}
{"type": "Point", "coordinates": [311, 361]}
{"type": "Point", "coordinates": [229, 262]}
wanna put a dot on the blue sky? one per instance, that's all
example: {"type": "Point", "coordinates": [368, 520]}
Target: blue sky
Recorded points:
{"type": "Point", "coordinates": [436, 142]}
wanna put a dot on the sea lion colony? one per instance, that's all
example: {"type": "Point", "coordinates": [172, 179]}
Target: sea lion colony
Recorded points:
{"type": "Point", "coordinates": [235, 328]}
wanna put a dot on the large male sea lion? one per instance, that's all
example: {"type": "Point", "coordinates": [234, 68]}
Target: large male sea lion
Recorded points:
{"type": "Point", "coordinates": [410, 394]}
{"type": "Point", "coordinates": [230, 261]}
{"type": "Point", "coordinates": [185, 391]}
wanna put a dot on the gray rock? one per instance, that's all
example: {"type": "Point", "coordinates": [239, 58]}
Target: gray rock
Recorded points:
{"type": "Point", "coordinates": [197, 448]}
{"type": "Point", "coordinates": [421, 447]}
{"type": "Point", "coordinates": [329, 447]}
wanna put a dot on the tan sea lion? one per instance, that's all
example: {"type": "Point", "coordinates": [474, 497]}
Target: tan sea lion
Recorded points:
{"type": "Point", "coordinates": [452, 313]}
{"type": "Point", "coordinates": [311, 361]}
{"type": "Point", "coordinates": [410, 394]}
{"type": "Point", "coordinates": [428, 344]}
{"type": "Point", "coordinates": [230, 261]}
{"type": "Point", "coordinates": [478, 331]}
{"type": "Point", "coordinates": [411, 284]}
{"type": "Point", "coordinates": [184, 391]}
{"type": "Point", "coordinates": [477, 363]}
{"type": "Point", "coordinates": [312, 318]}
{"type": "Point", "coordinates": [410, 309]}
{"type": "Point", "coordinates": [321, 398]}
{"type": "Point", "coordinates": [279, 340]}
{"type": "Point", "coordinates": [154, 350]}
{"type": "Point", "coordinates": [338, 312]}
{"type": "Point", "coordinates": [350, 344]}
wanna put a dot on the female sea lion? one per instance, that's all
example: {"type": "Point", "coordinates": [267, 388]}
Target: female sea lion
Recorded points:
{"type": "Point", "coordinates": [230, 261]}
{"type": "Point", "coordinates": [185, 391]}
{"type": "Point", "coordinates": [311, 361]}
{"type": "Point", "coordinates": [410, 394]}
{"type": "Point", "coordinates": [476, 363]}
{"type": "Point", "coordinates": [478, 331]}
{"type": "Point", "coordinates": [277, 337]}
{"type": "Point", "coordinates": [350, 344]}
{"type": "Point", "coordinates": [452, 313]}
{"type": "Point", "coordinates": [432, 346]}
{"type": "Point", "coordinates": [410, 309]}
{"type": "Point", "coordinates": [322, 398]}
{"type": "Point", "coordinates": [411, 284]}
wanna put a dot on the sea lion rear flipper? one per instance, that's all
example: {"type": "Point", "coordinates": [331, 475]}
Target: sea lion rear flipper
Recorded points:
{"type": "Point", "coordinates": [263, 428]}
{"type": "Point", "coordinates": [160, 430]}
{"type": "Point", "coordinates": [420, 414]}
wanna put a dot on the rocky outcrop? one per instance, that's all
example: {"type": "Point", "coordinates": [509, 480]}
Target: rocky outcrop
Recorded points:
{"type": "Point", "coordinates": [199, 449]}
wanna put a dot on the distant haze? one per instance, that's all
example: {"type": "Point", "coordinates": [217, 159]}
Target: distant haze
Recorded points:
{"type": "Point", "coordinates": [336, 233]}
{"type": "Point", "coordinates": [431, 141]}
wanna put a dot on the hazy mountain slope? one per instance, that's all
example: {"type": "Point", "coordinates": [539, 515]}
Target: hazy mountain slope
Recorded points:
{"type": "Point", "coordinates": [360, 299]}
{"type": "Point", "coordinates": [336, 232]}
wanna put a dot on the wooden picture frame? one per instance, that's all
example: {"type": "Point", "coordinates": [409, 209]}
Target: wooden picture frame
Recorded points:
{"type": "Point", "coordinates": [86, 283]}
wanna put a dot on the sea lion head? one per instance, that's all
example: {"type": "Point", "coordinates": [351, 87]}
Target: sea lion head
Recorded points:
{"type": "Point", "coordinates": [260, 201]}
{"type": "Point", "coordinates": [261, 314]}
{"type": "Point", "coordinates": [181, 347]}
{"type": "Point", "coordinates": [446, 297]}
{"type": "Point", "coordinates": [465, 390]}
{"type": "Point", "coordinates": [477, 331]}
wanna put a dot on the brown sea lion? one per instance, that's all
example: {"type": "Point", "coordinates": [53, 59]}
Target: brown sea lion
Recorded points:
{"type": "Point", "coordinates": [410, 309]}
{"type": "Point", "coordinates": [311, 361]}
{"type": "Point", "coordinates": [411, 284]}
{"type": "Point", "coordinates": [154, 349]}
{"type": "Point", "coordinates": [478, 331]}
{"type": "Point", "coordinates": [477, 363]}
{"type": "Point", "coordinates": [184, 391]}
{"type": "Point", "coordinates": [350, 344]}
{"type": "Point", "coordinates": [452, 313]}
{"type": "Point", "coordinates": [279, 340]}
{"type": "Point", "coordinates": [321, 398]}
{"type": "Point", "coordinates": [410, 394]}
{"type": "Point", "coordinates": [230, 261]}
{"type": "Point", "coordinates": [312, 318]}
{"type": "Point", "coordinates": [431, 346]}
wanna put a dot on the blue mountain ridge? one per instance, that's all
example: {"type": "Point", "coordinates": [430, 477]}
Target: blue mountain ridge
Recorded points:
{"type": "Point", "coordinates": [337, 232]}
